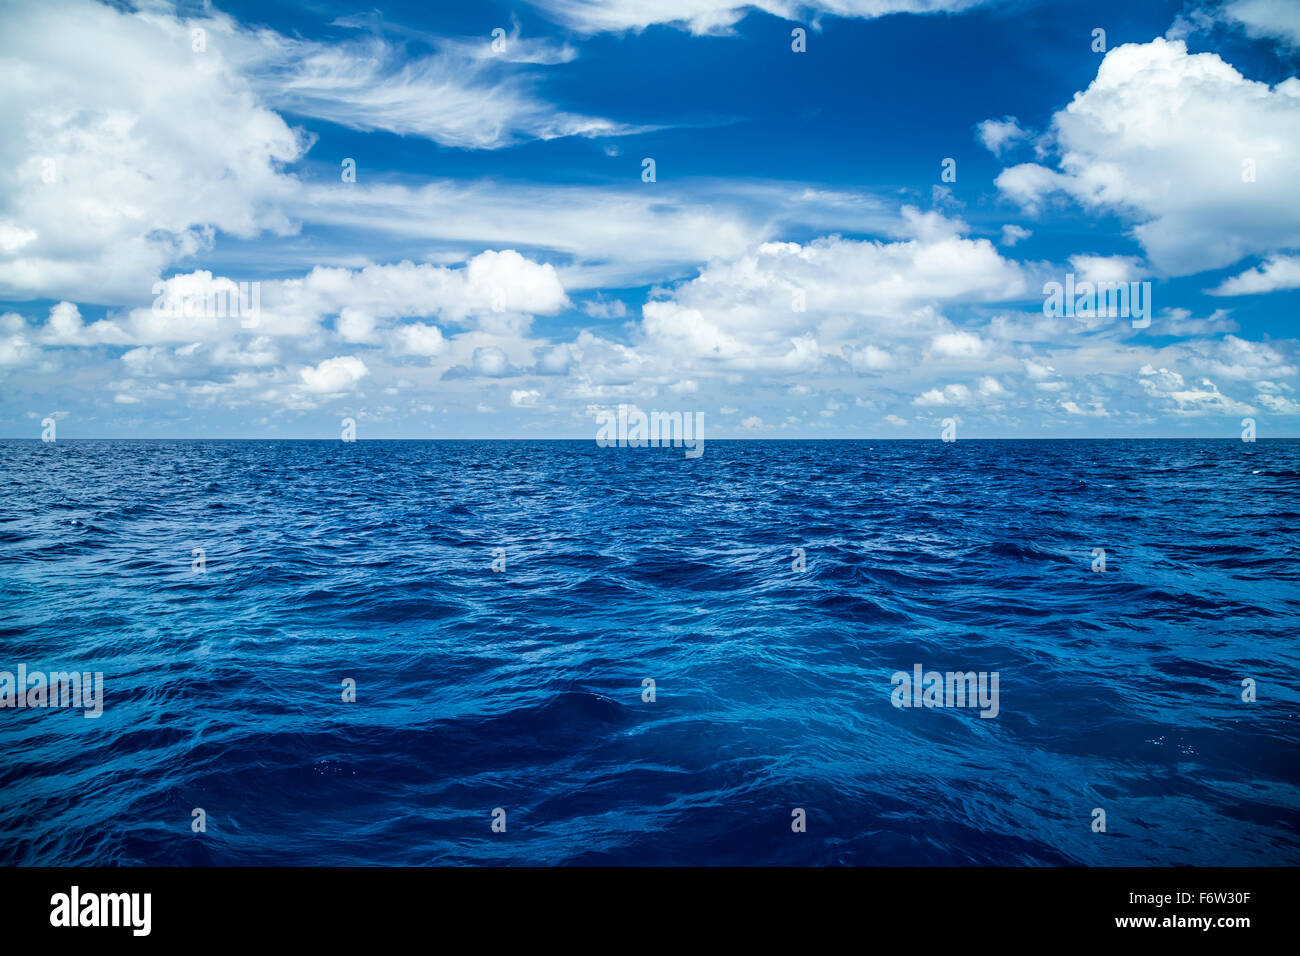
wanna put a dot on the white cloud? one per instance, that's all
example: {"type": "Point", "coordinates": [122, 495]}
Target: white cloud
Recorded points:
{"type": "Point", "coordinates": [1135, 142]}
{"type": "Point", "coordinates": [1270, 395]}
{"type": "Point", "coordinates": [333, 375]}
{"type": "Point", "coordinates": [1278, 272]}
{"type": "Point", "coordinates": [738, 314]}
{"type": "Point", "coordinates": [150, 149]}
{"type": "Point", "coordinates": [947, 395]}
{"type": "Point", "coordinates": [13, 238]}
{"type": "Point", "coordinates": [1106, 269]}
{"type": "Point", "coordinates": [958, 344]}
{"type": "Point", "coordinates": [1171, 391]}
{"type": "Point", "coordinates": [513, 48]}
{"type": "Point", "coordinates": [16, 345]}
{"type": "Point", "coordinates": [1175, 321]}
{"type": "Point", "coordinates": [556, 359]}
{"type": "Point", "coordinates": [718, 16]}
{"type": "Point", "coordinates": [356, 326]}
{"type": "Point", "coordinates": [490, 284]}
{"type": "Point", "coordinates": [401, 290]}
{"type": "Point", "coordinates": [1011, 234]}
{"type": "Point", "coordinates": [461, 95]}
{"type": "Point", "coordinates": [605, 308]}
{"type": "Point", "coordinates": [64, 327]}
{"type": "Point", "coordinates": [1237, 358]}
{"type": "Point", "coordinates": [453, 101]}
{"type": "Point", "coordinates": [1029, 183]}
{"type": "Point", "coordinates": [1096, 410]}
{"type": "Point", "coordinates": [418, 339]}
{"type": "Point", "coordinates": [1278, 19]}
{"type": "Point", "coordinates": [998, 136]}
{"type": "Point", "coordinates": [1038, 371]}
{"type": "Point", "coordinates": [491, 362]}
{"type": "Point", "coordinates": [868, 358]}
{"type": "Point", "coordinates": [598, 236]}
{"type": "Point", "coordinates": [153, 162]}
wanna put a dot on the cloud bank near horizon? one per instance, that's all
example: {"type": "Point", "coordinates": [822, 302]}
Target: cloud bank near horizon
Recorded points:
{"type": "Point", "coordinates": [456, 235]}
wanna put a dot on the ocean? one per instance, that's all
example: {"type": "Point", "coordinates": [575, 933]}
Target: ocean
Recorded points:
{"type": "Point", "coordinates": [567, 654]}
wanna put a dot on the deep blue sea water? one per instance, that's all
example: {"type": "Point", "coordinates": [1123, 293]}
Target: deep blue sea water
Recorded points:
{"type": "Point", "coordinates": [522, 689]}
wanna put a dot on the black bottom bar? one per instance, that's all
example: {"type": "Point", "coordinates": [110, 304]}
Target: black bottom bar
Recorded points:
{"type": "Point", "coordinates": [654, 906]}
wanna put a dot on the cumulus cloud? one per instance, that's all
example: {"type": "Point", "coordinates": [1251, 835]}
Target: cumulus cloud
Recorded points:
{"type": "Point", "coordinates": [1106, 269]}
{"type": "Point", "coordinates": [116, 172]}
{"type": "Point", "coordinates": [1011, 234]}
{"type": "Point", "coordinates": [955, 394]}
{"type": "Point", "coordinates": [1278, 272]}
{"type": "Point", "coordinates": [959, 344]}
{"type": "Point", "coordinates": [1170, 390]}
{"type": "Point", "coordinates": [283, 355]}
{"type": "Point", "coordinates": [416, 338]}
{"type": "Point", "coordinates": [489, 284]}
{"type": "Point", "coordinates": [1095, 410]}
{"type": "Point", "coordinates": [17, 347]}
{"type": "Point", "coordinates": [65, 327]}
{"type": "Point", "coordinates": [491, 362]}
{"type": "Point", "coordinates": [333, 375]}
{"type": "Point", "coordinates": [784, 305]}
{"type": "Point", "coordinates": [999, 136]}
{"type": "Point", "coordinates": [1135, 143]}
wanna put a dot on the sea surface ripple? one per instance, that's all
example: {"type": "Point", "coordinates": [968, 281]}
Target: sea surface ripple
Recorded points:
{"type": "Point", "coordinates": [522, 689]}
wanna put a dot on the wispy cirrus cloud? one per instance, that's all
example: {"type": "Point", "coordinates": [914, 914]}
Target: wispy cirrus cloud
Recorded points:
{"type": "Point", "coordinates": [718, 16]}
{"type": "Point", "coordinates": [472, 94]}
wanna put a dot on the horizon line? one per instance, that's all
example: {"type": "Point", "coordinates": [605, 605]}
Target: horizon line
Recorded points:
{"type": "Point", "coordinates": [771, 438]}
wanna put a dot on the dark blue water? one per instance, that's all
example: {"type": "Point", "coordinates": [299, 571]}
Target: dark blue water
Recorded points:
{"type": "Point", "coordinates": [522, 689]}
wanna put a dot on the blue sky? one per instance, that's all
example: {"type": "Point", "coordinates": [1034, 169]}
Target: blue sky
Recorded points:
{"type": "Point", "coordinates": [798, 268]}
